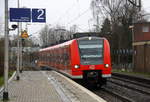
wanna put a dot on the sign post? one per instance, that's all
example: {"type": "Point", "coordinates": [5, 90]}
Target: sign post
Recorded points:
{"type": "Point", "coordinates": [19, 15]}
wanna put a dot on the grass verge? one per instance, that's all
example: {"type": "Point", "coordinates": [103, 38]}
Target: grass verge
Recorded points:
{"type": "Point", "coordinates": [2, 77]}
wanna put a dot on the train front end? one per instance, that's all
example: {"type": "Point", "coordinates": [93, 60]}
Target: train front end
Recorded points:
{"type": "Point", "coordinates": [92, 62]}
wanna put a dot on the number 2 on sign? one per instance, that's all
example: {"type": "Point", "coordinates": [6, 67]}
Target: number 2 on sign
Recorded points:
{"type": "Point", "coordinates": [41, 11]}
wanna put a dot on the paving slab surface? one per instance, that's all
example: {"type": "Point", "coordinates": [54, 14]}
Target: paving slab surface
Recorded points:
{"type": "Point", "coordinates": [48, 86]}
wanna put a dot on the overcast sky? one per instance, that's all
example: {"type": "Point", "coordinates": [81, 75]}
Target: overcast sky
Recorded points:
{"type": "Point", "coordinates": [62, 12]}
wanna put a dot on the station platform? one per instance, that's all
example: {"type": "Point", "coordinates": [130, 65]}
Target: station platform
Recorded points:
{"type": "Point", "coordinates": [48, 86]}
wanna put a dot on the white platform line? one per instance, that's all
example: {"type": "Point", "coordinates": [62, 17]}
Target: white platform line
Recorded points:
{"type": "Point", "coordinates": [99, 99]}
{"type": "Point", "coordinates": [58, 88]}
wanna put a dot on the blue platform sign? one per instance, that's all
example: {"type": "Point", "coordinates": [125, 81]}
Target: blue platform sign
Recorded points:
{"type": "Point", "coordinates": [20, 15]}
{"type": "Point", "coordinates": [38, 15]}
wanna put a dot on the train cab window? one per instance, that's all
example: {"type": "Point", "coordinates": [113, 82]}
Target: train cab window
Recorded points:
{"type": "Point", "coordinates": [91, 51]}
{"type": "Point", "coordinates": [145, 29]}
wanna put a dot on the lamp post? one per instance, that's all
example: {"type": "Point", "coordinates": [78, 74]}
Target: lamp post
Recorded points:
{"type": "Point", "coordinates": [6, 58]}
{"type": "Point", "coordinates": [18, 51]}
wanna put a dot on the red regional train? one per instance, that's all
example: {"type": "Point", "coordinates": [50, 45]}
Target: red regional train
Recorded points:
{"type": "Point", "coordinates": [86, 58]}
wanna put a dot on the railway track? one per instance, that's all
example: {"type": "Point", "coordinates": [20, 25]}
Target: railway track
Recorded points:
{"type": "Point", "coordinates": [133, 78]}
{"type": "Point", "coordinates": [135, 88]}
{"type": "Point", "coordinates": [111, 96]}
{"type": "Point", "coordinates": [117, 96]}
{"type": "Point", "coordinates": [125, 88]}
{"type": "Point", "coordinates": [141, 85]}
{"type": "Point", "coordinates": [132, 82]}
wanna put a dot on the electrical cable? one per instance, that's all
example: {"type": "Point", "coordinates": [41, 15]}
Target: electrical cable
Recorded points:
{"type": "Point", "coordinates": [62, 16]}
{"type": "Point", "coordinates": [78, 16]}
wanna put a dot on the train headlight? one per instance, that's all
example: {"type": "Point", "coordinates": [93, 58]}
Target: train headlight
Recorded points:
{"type": "Point", "coordinates": [106, 65]}
{"type": "Point", "coordinates": [76, 66]}
{"type": "Point", "coordinates": [90, 38]}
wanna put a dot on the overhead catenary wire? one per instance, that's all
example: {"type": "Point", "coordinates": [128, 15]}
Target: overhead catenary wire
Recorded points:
{"type": "Point", "coordinates": [66, 12]}
{"type": "Point", "coordinates": [67, 23]}
{"type": "Point", "coordinates": [81, 29]}
{"type": "Point", "coordinates": [77, 17]}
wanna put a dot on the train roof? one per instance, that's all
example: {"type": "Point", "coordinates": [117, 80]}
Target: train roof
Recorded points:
{"type": "Point", "coordinates": [59, 45]}
{"type": "Point", "coordinates": [87, 37]}
{"type": "Point", "coordinates": [85, 34]}
{"type": "Point", "coordinates": [66, 43]}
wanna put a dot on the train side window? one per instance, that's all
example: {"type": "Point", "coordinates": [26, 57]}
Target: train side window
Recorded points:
{"type": "Point", "coordinates": [145, 29]}
{"type": "Point", "coordinates": [50, 56]}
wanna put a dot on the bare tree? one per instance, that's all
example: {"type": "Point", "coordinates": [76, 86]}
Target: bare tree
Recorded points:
{"type": "Point", "coordinates": [95, 12]}
{"type": "Point", "coordinates": [55, 35]}
{"type": "Point", "coordinates": [121, 14]}
{"type": "Point", "coordinates": [1, 30]}
{"type": "Point", "coordinates": [51, 36]}
{"type": "Point", "coordinates": [44, 35]}
{"type": "Point", "coordinates": [74, 28]}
